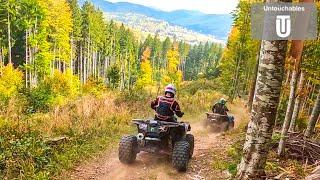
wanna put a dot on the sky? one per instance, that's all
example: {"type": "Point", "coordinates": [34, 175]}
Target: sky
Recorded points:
{"type": "Point", "coordinates": [205, 6]}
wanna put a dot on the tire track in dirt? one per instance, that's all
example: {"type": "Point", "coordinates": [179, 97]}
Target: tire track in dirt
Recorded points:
{"type": "Point", "coordinates": [150, 166]}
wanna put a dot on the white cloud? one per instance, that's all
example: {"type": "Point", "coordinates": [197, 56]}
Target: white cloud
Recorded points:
{"type": "Point", "coordinates": [206, 6]}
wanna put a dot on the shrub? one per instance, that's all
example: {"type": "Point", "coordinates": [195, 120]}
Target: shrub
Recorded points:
{"type": "Point", "coordinates": [22, 151]}
{"type": "Point", "coordinates": [302, 122]}
{"type": "Point", "coordinates": [137, 100]}
{"type": "Point", "coordinates": [11, 81]}
{"type": "Point", "coordinates": [53, 90]}
{"type": "Point", "coordinates": [195, 86]}
{"type": "Point", "coordinates": [113, 75]}
{"type": "Point", "coordinates": [94, 86]}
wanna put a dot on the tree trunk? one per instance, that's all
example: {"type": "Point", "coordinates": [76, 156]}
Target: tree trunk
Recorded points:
{"type": "Point", "coordinates": [236, 76]}
{"type": "Point", "coordinates": [1, 61]}
{"type": "Point", "coordinates": [81, 64]}
{"type": "Point", "coordinates": [309, 109]}
{"type": "Point", "coordinates": [297, 103]}
{"type": "Point", "coordinates": [30, 64]}
{"type": "Point", "coordinates": [27, 62]}
{"type": "Point", "coordinates": [71, 55]}
{"type": "Point", "coordinates": [296, 53]}
{"type": "Point", "coordinates": [306, 96]}
{"type": "Point", "coordinates": [288, 77]}
{"type": "Point", "coordinates": [263, 114]}
{"type": "Point", "coordinates": [314, 117]}
{"type": "Point", "coordinates": [9, 40]}
{"type": "Point", "coordinates": [287, 119]}
{"type": "Point", "coordinates": [253, 86]}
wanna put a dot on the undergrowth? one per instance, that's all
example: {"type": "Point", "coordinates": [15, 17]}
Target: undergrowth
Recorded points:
{"type": "Point", "coordinates": [230, 157]}
{"type": "Point", "coordinates": [87, 119]}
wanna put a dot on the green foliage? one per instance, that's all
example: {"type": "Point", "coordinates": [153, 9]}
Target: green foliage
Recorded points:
{"type": "Point", "coordinates": [212, 73]}
{"type": "Point", "coordinates": [113, 75]}
{"type": "Point", "coordinates": [198, 96]}
{"type": "Point", "coordinates": [311, 52]}
{"type": "Point", "coordinates": [282, 107]}
{"type": "Point", "coordinates": [22, 150]}
{"type": "Point", "coordinates": [54, 91]}
{"type": "Point", "coordinates": [202, 59]}
{"type": "Point", "coordinates": [229, 164]}
{"type": "Point", "coordinates": [240, 55]}
{"type": "Point", "coordinates": [133, 96]}
{"type": "Point", "coordinates": [193, 87]}
{"type": "Point", "coordinates": [302, 123]}
{"type": "Point", "coordinates": [40, 98]}
{"type": "Point", "coordinates": [275, 138]}
{"type": "Point", "coordinates": [26, 154]}
{"type": "Point", "coordinates": [94, 86]}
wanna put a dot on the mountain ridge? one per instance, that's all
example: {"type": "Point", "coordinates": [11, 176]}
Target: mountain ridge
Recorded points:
{"type": "Point", "coordinates": [217, 25]}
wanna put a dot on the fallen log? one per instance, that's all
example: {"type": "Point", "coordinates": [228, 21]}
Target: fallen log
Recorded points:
{"type": "Point", "coordinates": [56, 140]}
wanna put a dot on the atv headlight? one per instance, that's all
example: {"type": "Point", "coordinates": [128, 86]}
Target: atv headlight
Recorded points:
{"type": "Point", "coordinates": [140, 136]}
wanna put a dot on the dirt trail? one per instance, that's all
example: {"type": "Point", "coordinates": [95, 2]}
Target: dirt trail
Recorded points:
{"type": "Point", "coordinates": [149, 166]}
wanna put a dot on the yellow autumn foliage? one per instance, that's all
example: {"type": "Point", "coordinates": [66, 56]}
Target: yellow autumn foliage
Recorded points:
{"type": "Point", "coordinates": [173, 74]}
{"type": "Point", "coordinates": [11, 81]}
{"type": "Point", "coordinates": [145, 76]}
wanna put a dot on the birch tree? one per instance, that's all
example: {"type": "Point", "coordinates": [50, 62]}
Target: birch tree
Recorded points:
{"type": "Point", "coordinates": [314, 117]}
{"type": "Point", "coordinates": [297, 103]}
{"type": "Point", "coordinates": [264, 108]}
{"type": "Point", "coordinates": [296, 52]}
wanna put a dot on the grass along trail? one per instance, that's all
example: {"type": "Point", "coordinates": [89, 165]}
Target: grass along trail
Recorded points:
{"type": "Point", "coordinates": [151, 166]}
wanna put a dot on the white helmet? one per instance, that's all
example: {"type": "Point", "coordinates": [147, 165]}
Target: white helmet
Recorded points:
{"type": "Point", "coordinates": [170, 88]}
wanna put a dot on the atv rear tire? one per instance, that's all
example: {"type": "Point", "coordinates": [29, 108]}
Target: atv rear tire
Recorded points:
{"type": "Point", "coordinates": [180, 155]}
{"type": "Point", "coordinates": [231, 125]}
{"type": "Point", "coordinates": [224, 126]}
{"type": "Point", "coordinates": [128, 149]}
{"type": "Point", "coordinates": [190, 139]}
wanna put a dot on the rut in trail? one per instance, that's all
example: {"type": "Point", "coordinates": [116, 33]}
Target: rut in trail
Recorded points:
{"type": "Point", "coordinates": [150, 166]}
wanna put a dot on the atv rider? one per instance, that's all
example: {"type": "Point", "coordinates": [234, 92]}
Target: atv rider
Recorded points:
{"type": "Point", "coordinates": [221, 108]}
{"type": "Point", "coordinates": [166, 106]}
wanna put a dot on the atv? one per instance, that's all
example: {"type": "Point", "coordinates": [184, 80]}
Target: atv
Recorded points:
{"type": "Point", "coordinates": [159, 137]}
{"type": "Point", "coordinates": [218, 122]}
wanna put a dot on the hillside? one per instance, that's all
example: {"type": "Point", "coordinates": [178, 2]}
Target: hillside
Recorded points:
{"type": "Point", "coordinates": [146, 25]}
{"type": "Point", "coordinates": [217, 25]}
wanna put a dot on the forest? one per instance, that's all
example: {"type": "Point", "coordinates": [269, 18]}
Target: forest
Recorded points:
{"type": "Point", "coordinates": [71, 81]}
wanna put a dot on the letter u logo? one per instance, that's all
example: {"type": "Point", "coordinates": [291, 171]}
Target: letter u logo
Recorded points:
{"type": "Point", "coordinates": [283, 26]}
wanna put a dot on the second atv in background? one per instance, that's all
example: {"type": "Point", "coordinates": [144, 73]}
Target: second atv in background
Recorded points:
{"type": "Point", "coordinates": [219, 120]}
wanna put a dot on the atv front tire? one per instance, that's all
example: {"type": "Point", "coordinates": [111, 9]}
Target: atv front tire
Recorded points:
{"type": "Point", "coordinates": [180, 155]}
{"type": "Point", "coordinates": [128, 149]}
{"type": "Point", "coordinates": [190, 139]}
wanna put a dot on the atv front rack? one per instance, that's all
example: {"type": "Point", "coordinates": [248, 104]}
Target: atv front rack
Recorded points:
{"type": "Point", "coordinates": [163, 123]}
